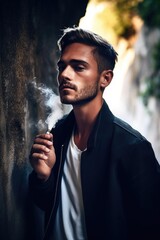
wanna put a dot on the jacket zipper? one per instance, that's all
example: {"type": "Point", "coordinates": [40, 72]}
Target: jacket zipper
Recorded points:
{"type": "Point", "coordinates": [55, 193]}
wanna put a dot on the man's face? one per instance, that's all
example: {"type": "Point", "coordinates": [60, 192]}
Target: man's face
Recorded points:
{"type": "Point", "coordinates": [78, 75]}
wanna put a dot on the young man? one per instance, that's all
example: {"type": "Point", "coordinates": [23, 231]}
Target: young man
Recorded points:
{"type": "Point", "coordinates": [95, 177]}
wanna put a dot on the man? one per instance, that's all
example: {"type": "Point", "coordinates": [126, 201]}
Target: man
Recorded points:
{"type": "Point", "coordinates": [95, 177]}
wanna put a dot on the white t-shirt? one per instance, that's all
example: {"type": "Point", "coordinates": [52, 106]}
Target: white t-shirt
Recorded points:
{"type": "Point", "coordinates": [70, 222]}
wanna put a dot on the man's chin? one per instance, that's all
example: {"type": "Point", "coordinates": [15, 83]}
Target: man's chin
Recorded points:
{"type": "Point", "coordinates": [76, 102]}
{"type": "Point", "coordinates": [66, 101]}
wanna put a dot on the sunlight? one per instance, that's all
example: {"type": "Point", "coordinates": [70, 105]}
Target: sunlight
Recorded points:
{"type": "Point", "coordinates": [101, 18]}
{"type": "Point", "coordinates": [93, 20]}
{"type": "Point", "coordinates": [96, 20]}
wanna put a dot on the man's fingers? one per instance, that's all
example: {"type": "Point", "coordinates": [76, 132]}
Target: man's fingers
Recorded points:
{"type": "Point", "coordinates": [43, 141]}
{"type": "Point", "coordinates": [45, 136]}
{"type": "Point", "coordinates": [39, 156]}
{"type": "Point", "coordinates": [40, 148]}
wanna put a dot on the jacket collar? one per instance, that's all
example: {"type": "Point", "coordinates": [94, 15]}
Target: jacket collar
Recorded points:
{"type": "Point", "coordinates": [103, 124]}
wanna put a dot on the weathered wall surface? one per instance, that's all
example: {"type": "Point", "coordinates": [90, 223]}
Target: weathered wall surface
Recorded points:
{"type": "Point", "coordinates": [145, 118]}
{"type": "Point", "coordinates": [28, 34]}
{"type": "Point", "coordinates": [124, 95]}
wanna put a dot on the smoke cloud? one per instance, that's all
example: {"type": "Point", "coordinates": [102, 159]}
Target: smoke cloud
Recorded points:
{"type": "Point", "coordinates": [46, 98]}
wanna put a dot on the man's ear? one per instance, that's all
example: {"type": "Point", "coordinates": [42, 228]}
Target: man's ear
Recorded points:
{"type": "Point", "coordinates": [106, 78]}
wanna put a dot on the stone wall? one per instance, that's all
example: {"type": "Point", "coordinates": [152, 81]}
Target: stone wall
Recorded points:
{"type": "Point", "coordinates": [28, 34]}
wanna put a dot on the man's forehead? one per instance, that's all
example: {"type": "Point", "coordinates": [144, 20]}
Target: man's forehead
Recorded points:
{"type": "Point", "coordinates": [78, 47]}
{"type": "Point", "coordinates": [77, 51]}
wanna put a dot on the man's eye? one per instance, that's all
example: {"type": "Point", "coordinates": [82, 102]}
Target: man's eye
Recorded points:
{"type": "Point", "coordinates": [79, 68]}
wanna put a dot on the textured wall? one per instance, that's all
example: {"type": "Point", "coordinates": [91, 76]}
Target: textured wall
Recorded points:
{"type": "Point", "coordinates": [145, 119]}
{"type": "Point", "coordinates": [124, 95]}
{"type": "Point", "coordinates": [28, 35]}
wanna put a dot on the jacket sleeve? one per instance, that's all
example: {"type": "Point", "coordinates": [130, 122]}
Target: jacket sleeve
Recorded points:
{"type": "Point", "coordinates": [141, 172]}
{"type": "Point", "coordinates": [41, 192]}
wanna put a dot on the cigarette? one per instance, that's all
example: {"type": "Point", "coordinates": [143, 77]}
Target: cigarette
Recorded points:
{"type": "Point", "coordinates": [48, 131]}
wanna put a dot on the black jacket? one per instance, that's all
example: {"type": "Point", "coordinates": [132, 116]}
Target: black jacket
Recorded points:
{"type": "Point", "coordinates": [120, 181]}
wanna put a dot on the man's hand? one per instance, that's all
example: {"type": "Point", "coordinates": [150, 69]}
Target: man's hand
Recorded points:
{"type": "Point", "coordinates": [42, 155]}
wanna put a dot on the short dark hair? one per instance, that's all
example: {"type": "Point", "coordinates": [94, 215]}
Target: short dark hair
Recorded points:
{"type": "Point", "coordinates": [105, 54]}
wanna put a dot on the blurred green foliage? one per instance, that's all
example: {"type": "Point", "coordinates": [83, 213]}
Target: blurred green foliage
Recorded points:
{"type": "Point", "coordinates": [118, 15]}
{"type": "Point", "coordinates": [153, 82]}
{"type": "Point", "coordinates": [149, 10]}
{"type": "Point", "coordinates": [156, 57]}
{"type": "Point", "coordinates": [152, 89]}
{"type": "Point", "coordinates": [125, 10]}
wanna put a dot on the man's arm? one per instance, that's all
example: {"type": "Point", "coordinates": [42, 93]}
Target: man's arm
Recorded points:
{"type": "Point", "coordinates": [41, 192]}
{"type": "Point", "coordinates": [142, 182]}
{"type": "Point", "coordinates": [41, 180]}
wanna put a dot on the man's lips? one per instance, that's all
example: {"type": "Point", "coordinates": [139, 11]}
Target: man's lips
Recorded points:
{"type": "Point", "coordinates": [66, 86]}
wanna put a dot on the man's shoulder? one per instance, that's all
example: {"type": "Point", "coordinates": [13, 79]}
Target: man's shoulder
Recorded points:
{"type": "Point", "coordinates": [122, 129]}
{"type": "Point", "coordinates": [129, 144]}
{"type": "Point", "coordinates": [126, 132]}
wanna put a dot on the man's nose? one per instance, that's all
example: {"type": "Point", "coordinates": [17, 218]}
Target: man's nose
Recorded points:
{"type": "Point", "coordinates": [67, 72]}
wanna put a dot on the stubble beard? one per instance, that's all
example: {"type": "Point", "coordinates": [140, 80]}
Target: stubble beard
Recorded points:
{"type": "Point", "coordinates": [83, 96]}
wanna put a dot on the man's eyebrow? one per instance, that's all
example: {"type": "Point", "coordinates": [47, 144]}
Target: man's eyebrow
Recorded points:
{"type": "Point", "coordinates": [72, 61]}
{"type": "Point", "coordinates": [78, 61]}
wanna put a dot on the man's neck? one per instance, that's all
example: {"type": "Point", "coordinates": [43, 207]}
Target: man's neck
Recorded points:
{"type": "Point", "coordinates": [85, 116]}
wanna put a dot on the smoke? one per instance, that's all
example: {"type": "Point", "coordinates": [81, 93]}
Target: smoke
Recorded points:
{"type": "Point", "coordinates": [47, 100]}
{"type": "Point", "coordinates": [56, 111]}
